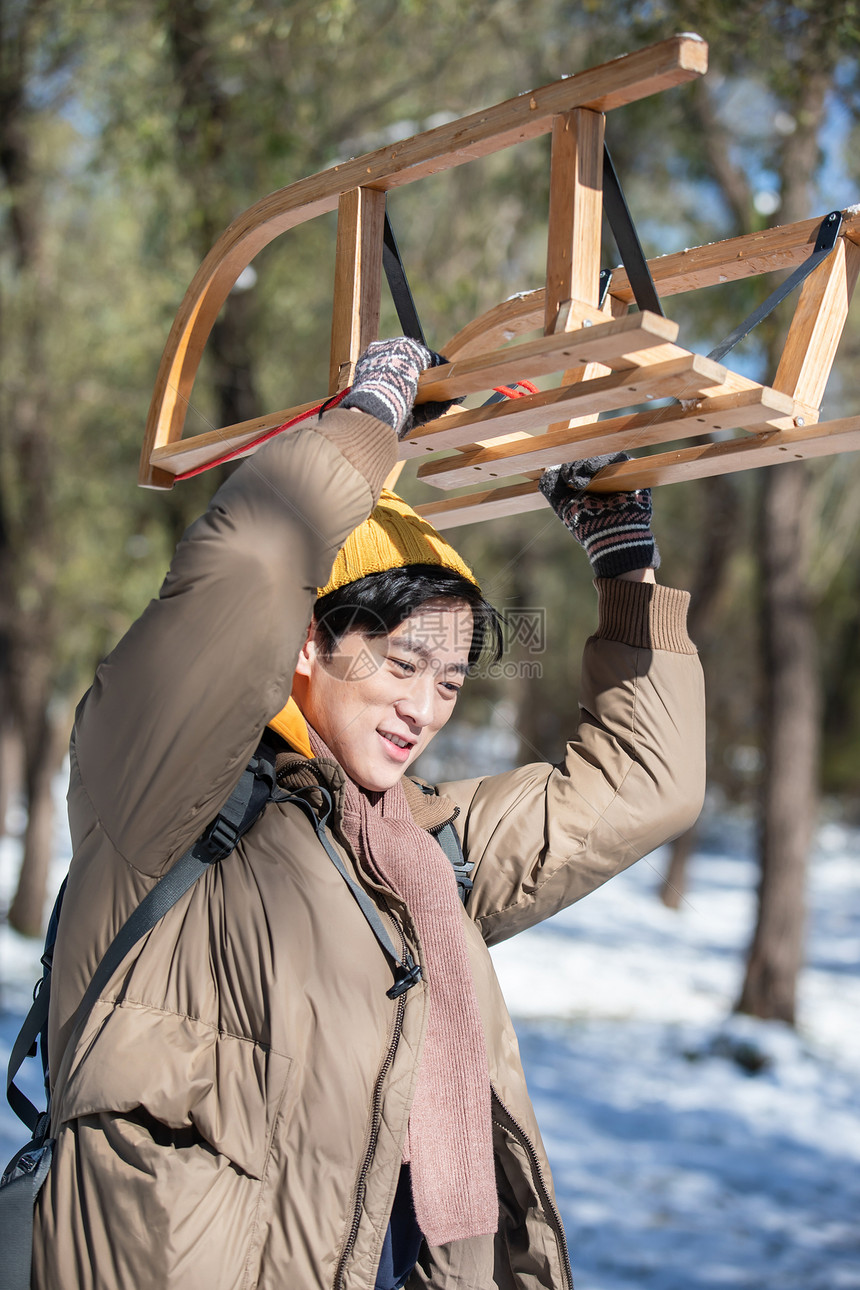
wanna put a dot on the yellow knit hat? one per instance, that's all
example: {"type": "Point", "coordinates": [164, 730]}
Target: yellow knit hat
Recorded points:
{"type": "Point", "coordinates": [393, 536]}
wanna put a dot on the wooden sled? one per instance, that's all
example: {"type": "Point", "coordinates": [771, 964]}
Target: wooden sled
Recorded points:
{"type": "Point", "coordinates": [606, 360]}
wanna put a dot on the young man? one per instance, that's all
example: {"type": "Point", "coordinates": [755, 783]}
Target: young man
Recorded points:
{"type": "Point", "coordinates": [262, 1097]}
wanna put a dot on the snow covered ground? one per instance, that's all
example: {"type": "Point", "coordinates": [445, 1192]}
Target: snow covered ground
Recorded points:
{"type": "Point", "coordinates": [676, 1167]}
{"type": "Point", "coordinates": [691, 1150]}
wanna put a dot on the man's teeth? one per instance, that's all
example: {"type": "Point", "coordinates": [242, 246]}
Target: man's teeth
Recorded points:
{"type": "Point", "coordinates": [401, 743]}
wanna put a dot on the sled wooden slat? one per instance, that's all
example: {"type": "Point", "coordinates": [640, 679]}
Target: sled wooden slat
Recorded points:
{"type": "Point", "coordinates": [187, 454]}
{"type": "Point", "coordinates": [687, 375]}
{"type": "Point", "coordinates": [617, 340]}
{"type": "Point", "coordinates": [802, 443]}
{"type": "Point", "coordinates": [746, 410]}
{"type": "Point", "coordinates": [620, 343]}
{"type": "Point", "coordinates": [619, 336]}
{"type": "Point", "coordinates": [514, 317]}
{"type": "Point", "coordinates": [611, 341]}
{"type": "Point", "coordinates": [772, 250]}
{"type": "Point", "coordinates": [525, 424]}
{"type": "Point", "coordinates": [695, 462]}
{"type": "Point", "coordinates": [573, 376]}
{"type": "Point", "coordinates": [491, 504]}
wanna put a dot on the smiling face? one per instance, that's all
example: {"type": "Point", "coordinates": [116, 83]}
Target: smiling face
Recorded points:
{"type": "Point", "coordinates": [377, 701]}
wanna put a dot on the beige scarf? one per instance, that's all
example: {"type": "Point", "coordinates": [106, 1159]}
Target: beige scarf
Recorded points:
{"type": "Point", "coordinates": [450, 1133]}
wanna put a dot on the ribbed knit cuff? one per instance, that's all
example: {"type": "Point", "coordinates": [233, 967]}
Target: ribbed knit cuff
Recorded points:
{"type": "Point", "coordinates": [368, 444]}
{"type": "Point", "coordinates": [393, 413]}
{"type": "Point", "coordinates": [620, 548]}
{"type": "Point", "coordinates": [643, 614]}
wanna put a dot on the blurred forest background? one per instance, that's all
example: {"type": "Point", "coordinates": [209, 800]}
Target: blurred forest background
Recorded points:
{"type": "Point", "coordinates": [134, 131]}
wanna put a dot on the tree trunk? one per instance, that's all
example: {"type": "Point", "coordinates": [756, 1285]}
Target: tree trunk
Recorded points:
{"type": "Point", "coordinates": [719, 494]}
{"type": "Point", "coordinates": [11, 755]}
{"type": "Point", "coordinates": [28, 552]}
{"type": "Point", "coordinates": [9, 751]}
{"type": "Point", "coordinates": [674, 885]}
{"type": "Point", "coordinates": [790, 673]}
{"type": "Point", "coordinates": [792, 720]}
{"type": "Point", "coordinates": [720, 529]}
{"type": "Point", "coordinates": [202, 142]}
{"type": "Point", "coordinates": [43, 755]}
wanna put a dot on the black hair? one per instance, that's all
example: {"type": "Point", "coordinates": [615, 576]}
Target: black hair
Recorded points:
{"type": "Point", "coordinates": [378, 603]}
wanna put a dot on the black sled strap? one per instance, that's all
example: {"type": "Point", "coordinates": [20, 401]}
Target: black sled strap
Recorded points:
{"type": "Point", "coordinates": [627, 240]}
{"type": "Point", "coordinates": [824, 244]}
{"type": "Point", "coordinates": [398, 285]}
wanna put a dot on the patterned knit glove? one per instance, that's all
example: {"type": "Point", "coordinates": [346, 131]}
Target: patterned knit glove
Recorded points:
{"type": "Point", "coordinates": [386, 379]}
{"type": "Point", "coordinates": [614, 528]}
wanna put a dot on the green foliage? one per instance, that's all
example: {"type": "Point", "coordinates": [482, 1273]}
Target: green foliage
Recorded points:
{"type": "Point", "coordinates": [154, 123]}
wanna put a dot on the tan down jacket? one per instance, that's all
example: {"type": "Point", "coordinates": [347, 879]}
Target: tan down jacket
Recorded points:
{"type": "Point", "coordinates": [232, 1112]}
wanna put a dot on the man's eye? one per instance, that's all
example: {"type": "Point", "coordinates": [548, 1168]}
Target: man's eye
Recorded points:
{"type": "Point", "coordinates": [408, 668]}
{"type": "Point", "coordinates": [450, 685]}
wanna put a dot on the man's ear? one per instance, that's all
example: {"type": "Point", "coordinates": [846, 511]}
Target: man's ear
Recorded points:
{"type": "Point", "coordinates": [309, 652]}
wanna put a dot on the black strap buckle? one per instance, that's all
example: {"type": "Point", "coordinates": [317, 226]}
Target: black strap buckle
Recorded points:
{"type": "Point", "coordinates": [220, 838]}
{"type": "Point", "coordinates": [461, 873]}
{"type": "Point", "coordinates": [405, 976]}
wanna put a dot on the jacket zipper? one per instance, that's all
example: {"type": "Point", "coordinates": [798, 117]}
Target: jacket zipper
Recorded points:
{"type": "Point", "coordinates": [510, 1123]}
{"type": "Point", "coordinates": [372, 1140]}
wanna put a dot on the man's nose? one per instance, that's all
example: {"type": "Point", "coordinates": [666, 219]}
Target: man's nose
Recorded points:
{"type": "Point", "coordinates": [416, 705]}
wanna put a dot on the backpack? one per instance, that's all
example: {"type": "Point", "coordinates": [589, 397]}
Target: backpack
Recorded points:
{"type": "Point", "coordinates": [24, 1176]}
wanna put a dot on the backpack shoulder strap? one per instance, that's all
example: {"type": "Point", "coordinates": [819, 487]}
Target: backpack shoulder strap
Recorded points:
{"type": "Point", "coordinates": [449, 840]}
{"type": "Point", "coordinates": [254, 789]}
